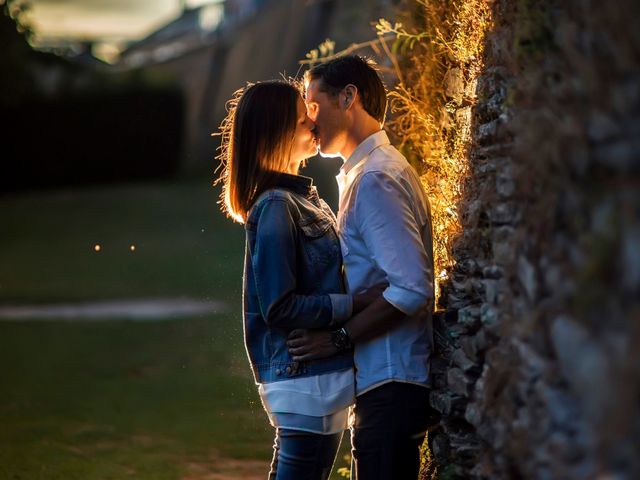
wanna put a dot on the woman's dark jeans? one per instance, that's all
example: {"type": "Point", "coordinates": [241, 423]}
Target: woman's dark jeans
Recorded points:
{"type": "Point", "coordinates": [301, 455]}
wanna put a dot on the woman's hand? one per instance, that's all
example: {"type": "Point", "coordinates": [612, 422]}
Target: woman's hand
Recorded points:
{"type": "Point", "coordinates": [364, 299]}
{"type": "Point", "coordinates": [305, 345]}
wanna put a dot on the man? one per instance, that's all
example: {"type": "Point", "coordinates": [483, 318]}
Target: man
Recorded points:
{"type": "Point", "coordinates": [384, 225]}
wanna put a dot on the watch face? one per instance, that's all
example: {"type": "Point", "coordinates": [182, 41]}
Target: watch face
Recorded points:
{"type": "Point", "coordinates": [339, 339]}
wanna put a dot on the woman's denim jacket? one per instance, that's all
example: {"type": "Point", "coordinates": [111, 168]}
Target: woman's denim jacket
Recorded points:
{"type": "Point", "coordinates": [292, 279]}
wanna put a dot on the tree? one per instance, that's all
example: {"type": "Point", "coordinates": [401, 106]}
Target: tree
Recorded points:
{"type": "Point", "coordinates": [15, 53]}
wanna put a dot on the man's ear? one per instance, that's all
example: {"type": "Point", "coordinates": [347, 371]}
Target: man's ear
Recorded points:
{"type": "Point", "coordinates": [349, 94]}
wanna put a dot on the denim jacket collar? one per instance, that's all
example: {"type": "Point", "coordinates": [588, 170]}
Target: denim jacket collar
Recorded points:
{"type": "Point", "coordinates": [295, 183]}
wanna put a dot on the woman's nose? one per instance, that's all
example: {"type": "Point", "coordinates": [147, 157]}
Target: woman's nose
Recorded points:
{"type": "Point", "coordinates": [311, 114]}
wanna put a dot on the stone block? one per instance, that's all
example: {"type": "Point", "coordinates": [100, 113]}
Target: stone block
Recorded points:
{"type": "Point", "coordinates": [490, 288]}
{"type": "Point", "coordinates": [584, 364]}
{"type": "Point", "coordinates": [534, 364]}
{"type": "Point", "coordinates": [500, 430]}
{"type": "Point", "coordinates": [503, 247]}
{"type": "Point", "coordinates": [491, 108]}
{"type": "Point", "coordinates": [439, 447]}
{"type": "Point", "coordinates": [506, 213]}
{"type": "Point", "coordinates": [456, 301]}
{"type": "Point", "coordinates": [469, 316]}
{"type": "Point", "coordinates": [461, 287]}
{"type": "Point", "coordinates": [468, 266]}
{"type": "Point", "coordinates": [469, 212]}
{"type": "Point", "coordinates": [464, 445]}
{"type": "Point", "coordinates": [493, 272]}
{"type": "Point", "coordinates": [501, 149]}
{"type": "Point", "coordinates": [475, 345]}
{"type": "Point", "coordinates": [487, 132]}
{"type": "Point", "coordinates": [454, 84]}
{"type": "Point", "coordinates": [460, 360]}
{"type": "Point", "coordinates": [477, 288]}
{"type": "Point", "coordinates": [447, 404]}
{"type": "Point", "coordinates": [484, 168]}
{"type": "Point", "coordinates": [473, 414]}
{"type": "Point", "coordinates": [459, 382]}
{"type": "Point", "coordinates": [458, 330]}
{"type": "Point", "coordinates": [505, 184]}
{"type": "Point", "coordinates": [492, 81]}
{"type": "Point", "coordinates": [528, 278]}
{"type": "Point", "coordinates": [488, 314]}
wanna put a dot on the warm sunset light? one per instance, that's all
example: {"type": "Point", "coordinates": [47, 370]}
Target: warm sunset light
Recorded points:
{"type": "Point", "coordinates": [110, 25]}
{"type": "Point", "coordinates": [381, 239]}
{"type": "Point", "coordinates": [434, 95]}
{"type": "Point", "coordinates": [103, 20]}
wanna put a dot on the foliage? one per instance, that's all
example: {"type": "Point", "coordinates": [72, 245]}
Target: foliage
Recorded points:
{"type": "Point", "coordinates": [324, 50]}
{"type": "Point", "coordinates": [440, 45]}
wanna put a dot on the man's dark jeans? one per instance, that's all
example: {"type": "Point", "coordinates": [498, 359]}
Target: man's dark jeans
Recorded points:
{"type": "Point", "coordinates": [301, 455]}
{"type": "Point", "coordinates": [391, 421]}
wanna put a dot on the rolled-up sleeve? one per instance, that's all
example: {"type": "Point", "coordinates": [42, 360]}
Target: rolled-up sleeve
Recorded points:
{"type": "Point", "coordinates": [342, 305]}
{"type": "Point", "coordinates": [391, 234]}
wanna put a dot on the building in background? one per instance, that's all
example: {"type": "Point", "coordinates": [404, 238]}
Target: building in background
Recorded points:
{"type": "Point", "coordinates": [212, 50]}
{"type": "Point", "coordinates": [152, 113]}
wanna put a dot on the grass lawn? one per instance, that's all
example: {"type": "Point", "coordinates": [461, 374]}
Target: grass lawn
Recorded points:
{"type": "Point", "coordinates": [183, 244]}
{"type": "Point", "coordinates": [121, 399]}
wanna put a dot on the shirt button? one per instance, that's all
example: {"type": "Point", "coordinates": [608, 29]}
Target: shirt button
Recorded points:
{"type": "Point", "coordinates": [278, 371]}
{"type": "Point", "coordinates": [288, 370]}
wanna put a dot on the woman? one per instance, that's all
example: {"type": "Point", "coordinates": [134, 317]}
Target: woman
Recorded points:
{"type": "Point", "coordinates": [292, 275]}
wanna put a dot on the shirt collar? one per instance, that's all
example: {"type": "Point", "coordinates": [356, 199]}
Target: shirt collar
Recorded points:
{"type": "Point", "coordinates": [296, 183]}
{"type": "Point", "coordinates": [363, 150]}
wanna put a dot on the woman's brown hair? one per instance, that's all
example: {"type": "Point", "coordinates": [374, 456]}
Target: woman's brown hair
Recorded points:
{"type": "Point", "coordinates": [257, 137]}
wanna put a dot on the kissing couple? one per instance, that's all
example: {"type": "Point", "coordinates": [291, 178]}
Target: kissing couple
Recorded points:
{"type": "Point", "coordinates": [336, 308]}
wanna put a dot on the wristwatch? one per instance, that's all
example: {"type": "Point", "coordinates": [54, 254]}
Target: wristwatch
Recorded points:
{"type": "Point", "coordinates": [340, 339]}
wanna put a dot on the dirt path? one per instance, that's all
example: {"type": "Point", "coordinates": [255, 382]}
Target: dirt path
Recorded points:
{"type": "Point", "coordinates": [136, 309]}
{"type": "Point", "coordinates": [220, 468]}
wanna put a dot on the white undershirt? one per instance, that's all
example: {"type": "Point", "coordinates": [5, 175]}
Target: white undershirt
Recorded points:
{"type": "Point", "coordinates": [317, 404]}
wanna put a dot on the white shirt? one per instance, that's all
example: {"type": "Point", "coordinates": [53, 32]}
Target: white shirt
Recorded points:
{"type": "Point", "coordinates": [384, 226]}
{"type": "Point", "coordinates": [317, 404]}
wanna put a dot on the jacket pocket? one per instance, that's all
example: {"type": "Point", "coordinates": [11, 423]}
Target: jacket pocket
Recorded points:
{"type": "Point", "coordinates": [314, 226]}
{"type": "Point", "coordinates": [320, 240]}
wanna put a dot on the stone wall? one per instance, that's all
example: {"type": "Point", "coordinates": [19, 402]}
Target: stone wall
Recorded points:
{"type": "Point", "coordinates": [538, 366]}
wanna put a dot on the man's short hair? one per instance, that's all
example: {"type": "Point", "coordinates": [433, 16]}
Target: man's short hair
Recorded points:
{"type": "Point", "coordinates": [353, 69]}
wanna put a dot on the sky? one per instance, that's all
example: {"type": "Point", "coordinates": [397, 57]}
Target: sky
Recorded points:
{"type": "Point", "coordinates": [102, 20]}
